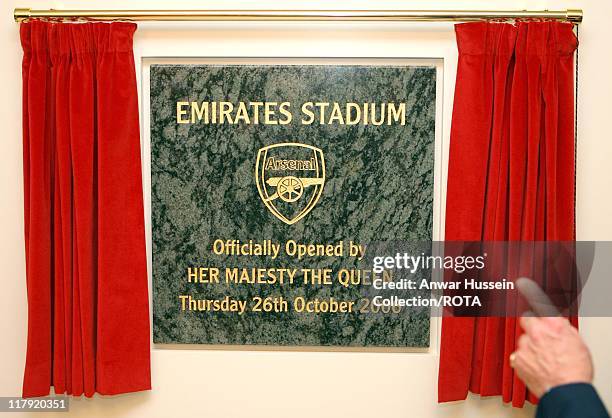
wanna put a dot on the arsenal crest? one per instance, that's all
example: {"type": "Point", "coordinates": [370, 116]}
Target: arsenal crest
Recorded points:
{"type": "Point", "coordinates": [290, 178]}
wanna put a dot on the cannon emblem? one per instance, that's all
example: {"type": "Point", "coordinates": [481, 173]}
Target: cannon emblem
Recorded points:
{"type": "Point", "coordinates": [290, 179]}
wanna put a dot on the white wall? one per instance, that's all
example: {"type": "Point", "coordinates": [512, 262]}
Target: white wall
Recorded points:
{"type": "Point", "coordinates": [238, 383]}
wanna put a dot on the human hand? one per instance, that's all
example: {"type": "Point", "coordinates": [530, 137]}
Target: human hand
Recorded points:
{"type": "Point", "coordinates": [550, 352]}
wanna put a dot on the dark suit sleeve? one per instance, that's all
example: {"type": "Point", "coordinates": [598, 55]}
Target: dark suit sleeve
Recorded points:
{"type": "Point", "coordinates": [576, 400]}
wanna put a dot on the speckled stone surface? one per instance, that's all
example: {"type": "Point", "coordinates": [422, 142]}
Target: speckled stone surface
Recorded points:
{"type": "Point", "coordinates": [379, 187]}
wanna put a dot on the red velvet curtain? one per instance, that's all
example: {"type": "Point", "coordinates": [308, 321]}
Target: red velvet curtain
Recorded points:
{"type": "Point", "coordinates": [510, 177]}
{"type": "Point", "coordinates": [88, 314]}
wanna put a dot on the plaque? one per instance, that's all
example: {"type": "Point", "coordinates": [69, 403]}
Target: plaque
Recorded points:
{"type": "Point", "coordinates": [269, 182]}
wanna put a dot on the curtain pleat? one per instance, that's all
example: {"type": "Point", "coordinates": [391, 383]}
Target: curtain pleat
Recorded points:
{"type": "Point", "coordinates": [88, 314]}
{"type": "Point", "coordinates": [512, 148]}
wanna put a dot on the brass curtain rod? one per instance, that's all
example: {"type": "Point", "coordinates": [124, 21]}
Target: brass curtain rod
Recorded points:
{"type": "Point", "coordinates": [569, 15]}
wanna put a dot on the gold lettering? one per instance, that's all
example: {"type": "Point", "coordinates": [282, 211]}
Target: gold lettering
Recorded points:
{"type": "Point", "coordinates": [306, 109]}
{"type": "Point", "coordinates": [349, 110]}
{"type": "Point", "coordinates": [322, 106]}
{"type": "Point", "coordinates": [256, 106]}
{"type": "Point", "coordinates": [382, 114]}
{"type": "Point", "coordinates": [336, 115]}
{"type": "Point", "coordinates": [397, 115]}
{"type": "Point", "coordinates": [180, 112]}
{"type": "Point", "coordinates": [199, 111]}
{"type": "Point", "coordinates": [225, 111]}
{"type": "Point", "coordinates": [213, 111]}
{"type": "Point", "coordinates": [284, 110]}
{"type": "Point", "coordinates": [242, 115]}
{"type": "Point", "coordinates": [269, 113]}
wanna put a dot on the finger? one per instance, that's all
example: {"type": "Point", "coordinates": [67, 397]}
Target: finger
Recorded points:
{"type": "Point", "coordinates": [519, 363]}
{"type": "Point", "coordinates": [512, 360]}
{"type": "Point", "coordinates": [537, 299]}
{"type": "Point", "coordinates": [526, 369]}
{"type": "Point", "coordinates": [557, 323]}
{"type": "Point", "coordinates": [528, 323]}
{"type": "Point", "coordinates": [523, 341]}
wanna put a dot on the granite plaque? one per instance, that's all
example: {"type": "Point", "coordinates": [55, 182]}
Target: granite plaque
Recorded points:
{"type": "Point", "coordinates": [268, 183]}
